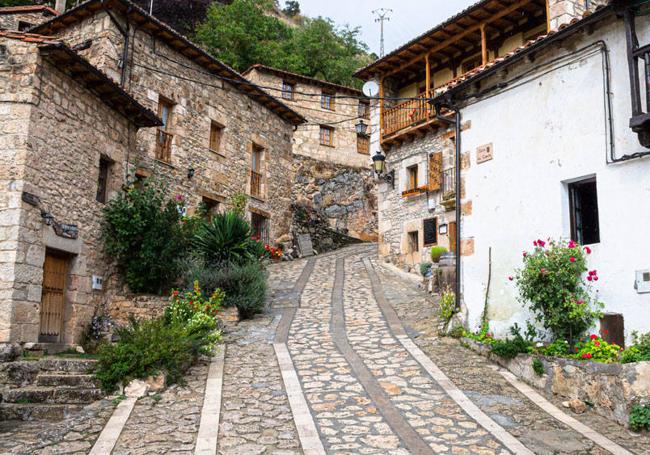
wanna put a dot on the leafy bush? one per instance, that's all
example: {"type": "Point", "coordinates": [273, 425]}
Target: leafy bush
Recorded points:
{"type": "Point", "coordinates": [244, 286]}
{"type": "Point", "coordinates": [436, 252]}
{"type": "Point", "coordinates": [640, 418]}
{"type": "Point", "coordinates": [149, 347]}
{"type": "Point", "coordinates": [238, 203]}
{"type": "Point", "coordinates": [551, 283]}
{"type": "Point", "coordinates": [141, 230]}
{"type": "Point", "coordinates": [511, 347]}
{"type": "Point", "coordinates": [425, 268]}
{"type": "Point", "coordinates": [184, 306]}
{"type": "Point", "coordinates": [639, 351]}
{"type": "Point", "coordinates": [538, 367]}
{"type": "Point", "coordinates": [558, 348]}
{"type": "Point", "coordinates": [227, 239]}
{"type": "Point", "coordinates": [447, 304]}
{"type": "Point", "coordinates": [598, 350]}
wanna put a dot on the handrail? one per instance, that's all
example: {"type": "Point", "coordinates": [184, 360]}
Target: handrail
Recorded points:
{"type": "Point", "coordinates": [256, 184]}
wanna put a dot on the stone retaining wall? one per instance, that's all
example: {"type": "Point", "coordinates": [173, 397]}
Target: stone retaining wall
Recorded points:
{"type": "Point", "coordinates": [122, 308]}
{"type": "Point", "coordinates": [611, 389]}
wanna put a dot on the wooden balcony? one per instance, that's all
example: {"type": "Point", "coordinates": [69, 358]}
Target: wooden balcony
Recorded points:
{"type": "Point", "coordinates": [256, 184]}
{"type": "Point", "coordinates": [164, 146]}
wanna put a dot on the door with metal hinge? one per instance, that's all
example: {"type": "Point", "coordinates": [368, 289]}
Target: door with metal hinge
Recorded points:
{"type": "Point", "coordinates": [52, 311]}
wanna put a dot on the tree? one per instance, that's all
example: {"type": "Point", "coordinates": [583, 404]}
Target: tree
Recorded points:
{"type": "Point", "coordinates": [291, 8]}
{"type": "Point", "coordinates": [244, 33]}
{"type": "Point", "coordinates": [181, 15]}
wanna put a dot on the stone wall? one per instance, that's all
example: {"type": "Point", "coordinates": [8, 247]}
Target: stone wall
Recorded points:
{"type": "Point", "coordinates": [122, 308]}
{"type": "Point", "coordinates": [60, 131]}
{"type": "Point", "coordinates": [563, 11]}
{"type": "Point", "coordinates": [333, 203]}
{"type": "Point", "coordinates": [11, 21]}
{"type": "Point", "coordinates": [307, 102]}
{"type": "Point", "coordinates": [611, 389]}
{"type": "Point", "coordinates": [398, 214]}
{"type": "Point", "coordinates": [199, 98]}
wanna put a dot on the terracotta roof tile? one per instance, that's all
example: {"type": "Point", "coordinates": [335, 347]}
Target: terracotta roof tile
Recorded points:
{"type": "Point", "coordinates": [29, 37]}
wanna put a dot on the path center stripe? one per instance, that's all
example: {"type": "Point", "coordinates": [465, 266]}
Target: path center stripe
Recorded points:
{"type": "Point", "coordinates": [282, 332]}
{"type": "Point", "coordinates": [413, 441]}
{"type": "Point", "coordinates": [395, 325]}
{"type": "Point", "coordinates": [206, 441]}
{"type": "Point", "coordinates": [552, 410]}
{"type": "Point", "coordinates": [111, 432]}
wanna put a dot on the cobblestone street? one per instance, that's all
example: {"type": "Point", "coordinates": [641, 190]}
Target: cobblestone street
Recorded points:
{"type": "Point", "coordinates": [345, 361]}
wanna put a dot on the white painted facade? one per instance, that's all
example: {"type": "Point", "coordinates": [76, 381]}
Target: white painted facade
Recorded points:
{"type": "Point", "coordinates": [547, 130]}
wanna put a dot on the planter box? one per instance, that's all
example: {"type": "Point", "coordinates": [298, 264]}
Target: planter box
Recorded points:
{"type": "Point", "coordinates": [611, 389]}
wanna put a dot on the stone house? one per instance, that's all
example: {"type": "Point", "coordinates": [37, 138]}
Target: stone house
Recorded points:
{"type": "Point", "coordinates": [221, 134]}
{"type": "Point", "coordinates": [24, 17]}
{"type": "Point", "coordinates": [334, 188]}
{"type": "Point", "coordinates": [177, 113]}
{"type": "Point", "coordinates": [548, 147]}
{"type": "Point", "coordinates": [66, 134]}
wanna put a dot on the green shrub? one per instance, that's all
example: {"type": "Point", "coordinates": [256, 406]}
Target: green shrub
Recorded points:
{"type": "Point", "coordinates": [538, 367]}
{"type": "Point", "coordinates": [141, 230]}
{"type": "Point", "coordinates": [447, 305]}
{"type": "Point", "coordinates": [558, 348]}
{"type": "Point", "coordinates": [238, 203]}
{"type": "Point", "coordinates": [551, 283]}
{"type": "Point", "coordinates": [511, 347]}
{"type": "Point", "coordinates": [597, 350]}
{"type": "Point", "coordinates": [244, 286]}
{"type": "Point", "coordinates": [227, 239]}
{"type": "Point", "coordinates": [436, 252]}
{"type": "Point", "coordinates": [639, 351]}
{"type": "Point", "coordinates": [640, 418]}
{"type": "Point", "coordinates": [149, 347]}
{"type": "Point", "coordinates": [425, 268]}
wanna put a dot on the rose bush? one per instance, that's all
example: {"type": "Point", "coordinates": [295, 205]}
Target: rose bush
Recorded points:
{"type": "Point", "coordinates": [555, 283]}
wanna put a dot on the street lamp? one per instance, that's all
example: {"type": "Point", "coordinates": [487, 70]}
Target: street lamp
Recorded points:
{"type": "Point", "coordinates": [379, 166]}
{"type": "Point", "coordinates": [362, 128]}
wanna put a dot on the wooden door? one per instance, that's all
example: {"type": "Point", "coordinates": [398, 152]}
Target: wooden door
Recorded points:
{"type": "Point", "coordinates": [452, 237]}
{"type": "Point", "coordinates": [55, 270]}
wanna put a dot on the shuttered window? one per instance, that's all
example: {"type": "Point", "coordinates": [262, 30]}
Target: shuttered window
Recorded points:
{"type": "Point", "coordinates": [435, 171]}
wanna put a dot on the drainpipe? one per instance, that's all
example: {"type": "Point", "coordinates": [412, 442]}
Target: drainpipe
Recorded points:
{"type": "Point", "coordinates": [125, 31]}
{"type": "Point", "coordinates": [456, 121]}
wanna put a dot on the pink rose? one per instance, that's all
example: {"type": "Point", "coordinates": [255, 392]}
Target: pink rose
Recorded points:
{"type": "Point", "coordinates": [572, 259]}
{"type": "Point", "coordinates": [572, 244]}
{"type": "Point", "coordinates": [510, 278]}
{"type": "Point", "coordinates": [587, 250]}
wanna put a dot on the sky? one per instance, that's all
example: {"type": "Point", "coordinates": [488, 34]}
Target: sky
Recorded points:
{"type": "Point", "coordinates": [409, 18]}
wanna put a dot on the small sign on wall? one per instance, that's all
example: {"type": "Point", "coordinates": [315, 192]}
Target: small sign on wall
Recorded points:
{"type": "Point", "coordinates": [484, 153]}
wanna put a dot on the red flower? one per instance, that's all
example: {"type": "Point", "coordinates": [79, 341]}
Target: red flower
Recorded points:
{"type": "Point", "coordinates": [605, 332]}
{"type": "Point", "coordinates": [572, 244]}
{"type": "Point", "coordinates": [541, 243]}
{"type": "Point", "coordinates": [597, 343]}
{"type": "Point", "coordinates": [535, 243]}
{"type": "Point", "coordinates": [510, 278]}
{"type": "Point", "coordinates": [525, 254]}
{"type": "Point", "coordinates": [572, 259]}
{"type": "Point", "coordinates": [587, 250]}
{"type": "Point", "coordinates": [580, 302]}
{"type": "Point", "coordinates": [587, 355]}
{"type": "Point", "coordinates": [595, 278]}
{"type": "Point", "coordinates": [589, 278]}
{"type": "Point", "coordinates": [543, 271]}
{"type": "Point", "coordinates": [594, 337]}
{"type": "Point", "coordinates": [175, 294]}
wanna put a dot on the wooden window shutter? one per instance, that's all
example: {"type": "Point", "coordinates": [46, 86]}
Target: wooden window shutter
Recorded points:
{"type": "Point", "coordinates": [435, 171]}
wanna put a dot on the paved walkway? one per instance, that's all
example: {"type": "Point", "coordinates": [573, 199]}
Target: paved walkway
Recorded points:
{"type": "Point", "coordinates": [346, 361]}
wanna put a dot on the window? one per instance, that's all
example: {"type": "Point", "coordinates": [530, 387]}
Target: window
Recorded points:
{"type": "Point", "coordinates": [363, 144]}
{"type": "Point", "coordinates": [287, 90]}
{"type": "Point", "coordinates": [412, 176]}
{"type": "Point", "coordinates": [327, 136]}
{"type": "Point", "coordinates": [583, 201]}
{"type": "Point", "coordinates": [430, 228]}
{"type": "Point", "coordinates": [414, 242]}
{"type": "Point", "coordinates": [22, 26]}
{"type": "Point", "coordinates": [216, 133]}
{"type": "Point", "coordinates": [256, 170]}
{"type": "Point", "coordinates": [260, 227]}
{"type": "Point", "coordinates": [209, 207]}
{"type": "Point", "coordinates": [364, 109]}
{"type": "Point", "coordinates": [327, 100]}
{"type": "Point", "coordinates": [163, 137]}
{"type": "Point", "coordinates": [102, 179]}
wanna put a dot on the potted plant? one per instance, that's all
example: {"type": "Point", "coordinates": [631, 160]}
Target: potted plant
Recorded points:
{"type": "Point", "coordinates": [436, 252]}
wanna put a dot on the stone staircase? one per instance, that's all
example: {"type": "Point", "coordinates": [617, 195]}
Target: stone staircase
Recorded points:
{"type": "Point", "coordinates": [50, 388]}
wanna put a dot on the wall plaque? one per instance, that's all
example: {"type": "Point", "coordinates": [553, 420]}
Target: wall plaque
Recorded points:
{"type": "Point", "coordinates": [484, 153]}
{"type": "Point", "coordinates": [304, 245]}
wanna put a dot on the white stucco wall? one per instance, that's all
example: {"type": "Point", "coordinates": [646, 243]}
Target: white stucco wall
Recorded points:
{"type": "Point", "coordinates": [545, 132]}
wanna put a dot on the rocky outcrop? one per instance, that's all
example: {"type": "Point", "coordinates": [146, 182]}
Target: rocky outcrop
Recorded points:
{"type": "Point", "coordinates": [333, 203]}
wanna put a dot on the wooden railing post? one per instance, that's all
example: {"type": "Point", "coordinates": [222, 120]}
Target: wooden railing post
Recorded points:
{"type": "Point", "coordinates": [427, 92]}
{"type": "Point", "coordinates": [382, 127]}
{"type": "Point", "coordinates": [484, 49]}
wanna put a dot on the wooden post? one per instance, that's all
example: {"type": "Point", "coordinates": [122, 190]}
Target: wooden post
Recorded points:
{"type": "Point", "coordinates": [382, 127]}
{"type": "Point", "coordinates": [427, 92]}
{"type": "Point", "coordinates": [548, 16]}
{"type": "Point", "coordinates": [484, 49]}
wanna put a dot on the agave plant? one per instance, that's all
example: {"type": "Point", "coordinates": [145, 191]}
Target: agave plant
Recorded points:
{"type": "Point", "coordinates": [226, 239]}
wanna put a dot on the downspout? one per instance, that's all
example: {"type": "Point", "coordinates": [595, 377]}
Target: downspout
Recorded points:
{"type": "Point", "coordinates": [456, 121]}
{"type": "Point", "coordinates": [125, 31]}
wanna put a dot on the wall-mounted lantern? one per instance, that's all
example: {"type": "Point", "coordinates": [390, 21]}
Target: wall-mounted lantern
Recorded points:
{"type": "Point", "coordinates": [190, 173]}
{"type": "Point", "coordinates": [362, 128]}
{"type": "Point", "coordinates": [379, 166]}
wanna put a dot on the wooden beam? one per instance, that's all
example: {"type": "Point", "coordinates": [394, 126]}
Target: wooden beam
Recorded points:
{"type": "Point", "coordinates": [381, 104]}
{"type": "Point", "coordinates": [548, 16]}
{"type": "Point", "coordinates": [428, 74]}
{"type": "Point", "coordinates": [458, 37]}
{"type": "Point", "coordinates": [484, 49]}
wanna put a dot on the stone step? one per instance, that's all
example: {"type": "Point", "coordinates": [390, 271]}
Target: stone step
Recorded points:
{"type": "Point", "coordinates": [60, 379]}
{"type": "Point", "coordinates": [51, 395]}
{"type": "Point", "coordinates": [32, 411]}
{"type": "Point", "coordinates": [83, 366]}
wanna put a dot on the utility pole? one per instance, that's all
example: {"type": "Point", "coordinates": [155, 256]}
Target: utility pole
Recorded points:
{"type": "Point", "coordinates": [382, 16]}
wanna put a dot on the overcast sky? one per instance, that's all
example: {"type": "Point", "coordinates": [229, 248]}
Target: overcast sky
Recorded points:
{"type": "Point", "coordinates": [409, 18]}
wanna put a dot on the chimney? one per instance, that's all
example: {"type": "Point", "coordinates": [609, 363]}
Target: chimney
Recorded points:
{"type": "Point", "coordinates": [562, 12]}
{"type": "Point", "coordinates": [60, 6]}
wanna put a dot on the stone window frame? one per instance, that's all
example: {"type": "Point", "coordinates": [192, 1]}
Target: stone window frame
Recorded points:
{"type": "Point", "coordinates": [288, 90]}
{"type": "Point", "coordinates": [327, 141]}
{"type": "Point", "coordinates": [412, 172]}
{"type": "Point", "coordinates": [220, 129]}
{"type": "Point", "coordinates": [435, 231]}
{"type": "Point", "coordinates": [328, 100]}
{"type": "Point", "coordinates": [163, 137]}
{"type": "Point", "coordinates": [257, 143]}
{"type": "Point", "coordinates": [104, 178]}
{"type": "Point", "coordinates": [413, 241]}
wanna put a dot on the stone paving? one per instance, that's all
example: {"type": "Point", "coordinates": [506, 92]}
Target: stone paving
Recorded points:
{"type": "Point", "coordinates": [343, 317]}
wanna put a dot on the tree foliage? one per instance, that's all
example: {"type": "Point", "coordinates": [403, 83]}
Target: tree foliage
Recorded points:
{"type": "Point", "coordinates": [245, 33]}
{"type": "Point", "coordinates": [291, 8]}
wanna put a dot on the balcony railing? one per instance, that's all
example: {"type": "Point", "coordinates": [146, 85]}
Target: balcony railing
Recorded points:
{"type": "Point", "coordinates": [164, 146]}
{"type": "Point", "coordinates": [256, 184]}
{"type": "Point", "coordinates": [449, 182]}
{"type": "Point", "coordinates": [406, 114]}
